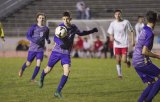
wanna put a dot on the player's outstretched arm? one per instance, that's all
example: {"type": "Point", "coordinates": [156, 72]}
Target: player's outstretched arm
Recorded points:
{"type": "Point", "coordinates": [147, 52]}
{"type": "Point", "coordinates": [87, 32]}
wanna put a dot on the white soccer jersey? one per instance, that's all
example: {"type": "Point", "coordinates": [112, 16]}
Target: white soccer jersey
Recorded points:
{"type": "Point", "coordinates": [120, 32]}
{"type": "Point", "coordinates": [138, 28]}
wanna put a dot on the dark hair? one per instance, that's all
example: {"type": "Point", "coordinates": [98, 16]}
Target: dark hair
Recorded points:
{"type": "Point", "coordinates": [66, 14]}
{"type": "Point", "coordinates": [140, 17]}
{"type": "Point", "coordinates": [151, 16]}
{"type": "Point", "coordinates": [118, 10]}
{"type": "Point", "coordinates": [39, 14]}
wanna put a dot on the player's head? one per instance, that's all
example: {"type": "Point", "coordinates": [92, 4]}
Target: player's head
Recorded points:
{"type": "Point", "coordinates": [140, 19]}
{"type": "Point", "coordinates": [41, 18]}
{"type": "Point", "coordinates": [118, 14]}
{"type": "Point", "coordinates": [66, 18]}
{"type": "Point", "coordinates": [151, 17]}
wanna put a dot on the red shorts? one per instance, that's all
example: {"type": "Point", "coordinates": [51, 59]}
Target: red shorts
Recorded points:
{"type": "Point", "coordinates": [120, 51]}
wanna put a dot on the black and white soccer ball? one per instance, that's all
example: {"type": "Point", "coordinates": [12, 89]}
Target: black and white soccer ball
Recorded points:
{"type": "Point", "coordinates": [61, 31]}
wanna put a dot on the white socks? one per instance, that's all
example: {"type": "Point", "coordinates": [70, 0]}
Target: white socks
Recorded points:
{"type": "Point", "coordinates": [119, 71]}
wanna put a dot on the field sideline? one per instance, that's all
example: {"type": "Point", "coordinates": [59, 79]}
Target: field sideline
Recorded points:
{"type": "Point", "coordinates": [91, 80]}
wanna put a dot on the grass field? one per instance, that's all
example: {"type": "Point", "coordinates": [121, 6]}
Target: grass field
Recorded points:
{"type": "Point", "coordinates": [91, 80]}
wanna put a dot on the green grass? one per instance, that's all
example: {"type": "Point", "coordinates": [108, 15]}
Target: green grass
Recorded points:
{"type": "Point", "coordinates": [91, 80]}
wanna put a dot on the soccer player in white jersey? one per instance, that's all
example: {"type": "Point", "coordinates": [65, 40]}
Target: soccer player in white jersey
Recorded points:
{"type": "Point", "coordinates": [118, 31]}
{"type": "Point", "coordinates": [139, 25]}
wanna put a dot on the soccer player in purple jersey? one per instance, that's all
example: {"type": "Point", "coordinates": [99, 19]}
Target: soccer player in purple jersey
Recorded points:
{"type": "Point", "coordinates": [142, 63]}
{"type": "Point", "coordinates": [36, 35]}
{"type": "Point", "coordinates": [62, 50]}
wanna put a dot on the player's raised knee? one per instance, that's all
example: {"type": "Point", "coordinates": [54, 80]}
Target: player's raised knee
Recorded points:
{"type": "Point", "coordinates": [28, 63]}
{"type": "Point", "coordinates": [47, 69]}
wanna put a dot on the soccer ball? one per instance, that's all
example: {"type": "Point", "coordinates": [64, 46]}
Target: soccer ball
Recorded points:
{"type": "Point", "coordinates": [60, 31]}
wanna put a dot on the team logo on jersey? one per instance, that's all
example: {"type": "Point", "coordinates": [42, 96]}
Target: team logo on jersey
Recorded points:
{"type": "Point", "coordinates": [41, 34]}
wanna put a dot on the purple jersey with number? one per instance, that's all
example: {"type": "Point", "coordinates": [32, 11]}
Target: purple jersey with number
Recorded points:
{"type": "Point", "coordinates": [146, 38]}
{"type": "Point", "coordinates": [37, 36]}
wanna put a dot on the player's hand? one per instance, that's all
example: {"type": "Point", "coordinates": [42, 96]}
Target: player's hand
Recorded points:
{"type": "Point", "coordinates": [63, 46]}
{"type": "Point", "coordinates": [41, 45]}
{"type": "Point", "coordinates": [40, 42]}
{"type": "Point", "coordinates": [94, 30]}
{"type": "Point", "coordinates": [48, 41]}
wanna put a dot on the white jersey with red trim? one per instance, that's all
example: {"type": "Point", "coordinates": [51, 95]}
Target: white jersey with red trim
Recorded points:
{"type": "Point", "coordinates": [120, 31]}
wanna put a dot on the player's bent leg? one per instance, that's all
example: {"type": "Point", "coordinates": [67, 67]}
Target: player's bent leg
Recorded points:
{"type": "Point", "coordinates": [66, 69]}
{"type": "Point", "coordinates": [43, 74]}
{"type": "Point", "coordinates": [153, 92]}
{"type": "Point", "coordinates": [145, 92]}
{"type": "Point", "coordinates": [28, 63]}
{"type": "Point", "coordinates": [36, 70]}
{"type": "Point", "coordinates": [124, 59]}
{"type": "Point", "coordinates": [25, 65]}
{"type": "Point", "coordinates": [63, 81]}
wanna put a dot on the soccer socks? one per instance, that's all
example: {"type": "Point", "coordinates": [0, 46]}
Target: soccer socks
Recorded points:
{"type": "Point", "coordinates": [153, 91]}
{"type": "Point", "coordinates": [119, 70]}
{"type": "Point", "coordinates": [24, 66]}
{"type": "Point", "coordinates": [43, 74]}
{"type": "Point", "coordinates": [36, 70]}
{"type": "Point", "coordinates": [62, 83]}
{"type": "Point", "coordinates": [145, 93]}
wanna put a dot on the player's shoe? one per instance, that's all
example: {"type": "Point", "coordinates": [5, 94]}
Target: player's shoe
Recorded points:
{"type": "Point", "coordinates": [40, 83]}
{"type": "Point", "coordinates": [120, 77]}
{"type": "Point", "coordinates": [58, 95]}
{"type": "Point", "coordinates": [128, 64]}
{"type": "Point", "coordinates": [20, 73]}
{"type": "Point", "coordinates": [33, 81]}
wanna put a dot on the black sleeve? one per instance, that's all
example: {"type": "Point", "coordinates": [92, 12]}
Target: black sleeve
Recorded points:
{"type": "Point", "coordinates": [83, 33]}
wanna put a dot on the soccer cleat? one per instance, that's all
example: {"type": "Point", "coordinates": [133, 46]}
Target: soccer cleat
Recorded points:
{"type": "Point", "coordinates": [58, 95]}
{"type": "Point", "coordinates": [40, 83]}
{"type": "Point", "coordinates": [33, 81]}
{"type": "Point", "coordinates": [120, 77]}
{"type": "Point", "coordinates": [20, 73]}
{"type": "Point", "coordinates": [128, 64]}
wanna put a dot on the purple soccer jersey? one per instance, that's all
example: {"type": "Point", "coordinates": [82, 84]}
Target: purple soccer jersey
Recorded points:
{"type": "Point", "coordinates": [146, 38]}
{"type": "Point", "coordinates": [37, 36]}
{"type": "Point", "coordinates": [59, 53]}
{"type": "Point", "coordinates": [143, 65]}
{"type": "Point", "coordinates": [63, 54]}
{"type": "Point", "coordinates": [67, 40]}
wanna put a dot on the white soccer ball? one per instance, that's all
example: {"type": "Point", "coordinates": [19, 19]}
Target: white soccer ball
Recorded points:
{"type": "Point", "coordinates": [60, 31]}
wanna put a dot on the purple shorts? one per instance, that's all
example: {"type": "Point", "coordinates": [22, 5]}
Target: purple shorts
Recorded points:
{"type": "Point", "coordinates": [55, 57]}
{"type": "Point", "coordinates": [148, 72]}
{"type": "Point", "coordinates": [33, 54]}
